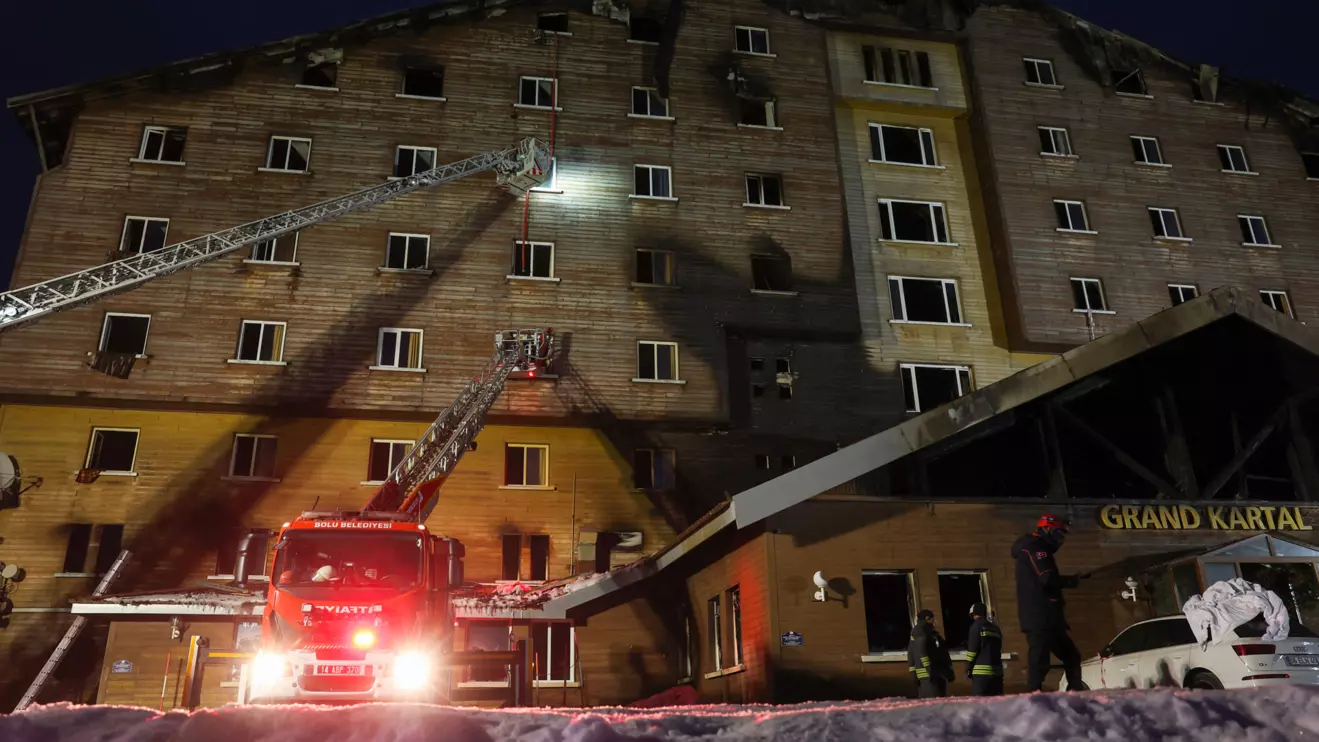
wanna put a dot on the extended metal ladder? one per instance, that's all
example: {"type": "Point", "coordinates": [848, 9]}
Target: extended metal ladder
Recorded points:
{"type": "Point", "coordinates": [70, 636]}
{"type": "Point", "coordinates": [518, 169]}
{"type": "Point", "coordinates": [411, 487]}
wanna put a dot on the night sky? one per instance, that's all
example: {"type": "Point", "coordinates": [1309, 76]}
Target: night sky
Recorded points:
{"type": "Point", "coordinates": [61, 42]}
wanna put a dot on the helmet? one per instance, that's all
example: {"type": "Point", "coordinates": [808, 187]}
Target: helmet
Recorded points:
{"type": "Point", "coordinates": [324, 574]}
{"type": "Point", "coordinates": [1053, 522]}
{"type": "Point", "coordinates": [979, 609]}
{"type": "Point", "coordinates": [925, 614]}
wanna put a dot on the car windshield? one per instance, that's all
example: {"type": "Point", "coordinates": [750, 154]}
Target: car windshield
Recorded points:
{"type": "Point", "coordinates": [363, 559]}
{"type": "Point", "coordinates": [1255, 628]}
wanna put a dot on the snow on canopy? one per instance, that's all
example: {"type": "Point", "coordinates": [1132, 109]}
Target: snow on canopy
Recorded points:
{"type": "Point", "coordinates": [1257, 715]}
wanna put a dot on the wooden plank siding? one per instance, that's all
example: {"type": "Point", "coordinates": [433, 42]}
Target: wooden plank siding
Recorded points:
{"type": "Point", "coordinates": [159, 665]}
{"type": "Point", "coordinates": [742, 565]}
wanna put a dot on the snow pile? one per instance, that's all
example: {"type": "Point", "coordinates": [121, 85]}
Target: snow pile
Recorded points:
{"type": "Point", "coordinates": [1258, 715]}
{"type": "Point", "coordinates": [219, 596]}
{"type": "Point", "coordinates": [519, 596]}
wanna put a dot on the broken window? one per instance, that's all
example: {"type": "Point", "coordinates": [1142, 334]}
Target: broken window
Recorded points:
{"type": "Point", "coordinates": [1039, 72]}
{"type": "Point", "coordinates": [125, 333]}
{"type": "Point", "coordinates": [890, 608]}
{"type": "Point", "coordinates": [107, 540]}
{"type": "Point", "coordinates": [958, 591]}
{"type": "Point", "coordinates": [657, 361]}
{"type": "Point", "coordinates": [757, 113]}
{"type": "Point", "coordinates": [289, 154]}
{"type": "Point", "coordinates": [143, 234]}
{"type": "Point", "coordinates": [554, 22]}
{"type": "Point", "coordinates": [533, 259]}
{"type": "Point", "coordinates": [1254, 231]}
{"type": "Point", "coordinates": [112, 450]}
{"type": "Point", "coordinates": [1088, 295]}
{"type": "Point", "coordinates": [925, 387]}
{"type": "Point", "coordinates": [645, 30]}
{"type": "Point", "coordinates": [407, 251]}
{"type": "Point", "coordinates": [526, 465]}
{"type": "Point", "coordinates": [1130, 82]}
{"type": "Point", "coordinates": [385, 456]}
{"type": "Point", "coordinates": [1055, 142]}
{"type": "Point", "coordinates": [771, 273]}
{"type": "Point", "coordinates": [913, 221]}
{"type": "Point", "coordinates": [1071, 216]}
{"type": "Point", "coordinates": [751, 40]}
{"type": "Point", "coordinates": [652, 181]}
{"type": "Point", "coordinates": [1146, 150]}
{"type": "Point", "coordinates": [871, 63]}
{"type": "Point", "coordinates": [413, 160]}
{"type": "Point", "coordinates": [282, 249]}
{"type": "Point", "coordinates": [511, 556]}
{"type": "Point", "coordinates": [538, 92]}
{"type": "Point", "coordinates": [399, 348]}
{"type": "Point", "coordinates": [162, 144]}
{"type": "Point", "coordinates": [649, 103]}
{"type": "Point", "coordinates": [764, 190]}
{"type": "Point", "coordinates": [253, 456]}
{"type": "Point", "coordinates": [655, 267]}
{"type": "Point", "coordinates": [1233, 158]}
{"type": "Point", "coordinates": [261, 342]}
{"type": "Point", "coordinates": [76, 548]}
{"type": "Point", "coordinates": [555, 659]}
{"type": "Point", "coordinates": [932, 300]}
{"type": "Point", "coordinates": [1311, 162]}
{"type": "Point", "coordinates": [323, 75]}
{"type": "Point", "coordinates": [903, 145]}
{"type": "Point", "coordinates": [1277, 300]}
{"type": "Point", "coordinates": [1180, 293]}
{"type": "Point", "coordinates": [424, 82]}
{"type": "Point", "coordinates": [540, 558]}
{"type": "Point", "coordinates": [653, 469]}
{"type": "Point", "coordinates": [905, 67]}
{"type": "Point", "coordinates": [1167, 224]}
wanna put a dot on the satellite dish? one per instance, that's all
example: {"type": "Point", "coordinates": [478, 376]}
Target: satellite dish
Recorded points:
{"type": "Point", "coordinates": [8, 473]}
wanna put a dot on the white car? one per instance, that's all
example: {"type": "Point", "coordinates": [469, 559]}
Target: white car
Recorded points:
{"type": "Point", "coordinates": [1163, 652]}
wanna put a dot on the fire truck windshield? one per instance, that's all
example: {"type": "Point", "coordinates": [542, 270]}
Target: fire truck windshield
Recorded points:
{"type": "Point", "coordinates": [388, 560]}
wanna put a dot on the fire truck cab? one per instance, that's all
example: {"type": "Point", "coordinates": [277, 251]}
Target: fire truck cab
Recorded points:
{"type": "Point", "coordinates": [358, 609]}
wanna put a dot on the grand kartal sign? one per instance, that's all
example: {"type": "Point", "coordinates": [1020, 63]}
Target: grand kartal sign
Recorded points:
{"type": "Point", "coordinates": [1205, 517]}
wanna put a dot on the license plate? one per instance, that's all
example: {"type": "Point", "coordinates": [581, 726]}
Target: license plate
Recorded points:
{"type": "Point", "coordinates": [339, 670]}
{"type": "Point", "coordinates": [1303, 660]}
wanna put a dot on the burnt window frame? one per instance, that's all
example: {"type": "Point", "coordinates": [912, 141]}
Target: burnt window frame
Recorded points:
{"type": "Point", "coordinates": [106, 325]}
{"type": "Point", "coordinates": [93, 455]}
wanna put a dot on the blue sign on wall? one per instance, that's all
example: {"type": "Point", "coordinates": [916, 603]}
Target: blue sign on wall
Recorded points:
{"type": "Point", "coordinates": [791, 639]}
{"type": "Point", "coordinates": [121, 666]}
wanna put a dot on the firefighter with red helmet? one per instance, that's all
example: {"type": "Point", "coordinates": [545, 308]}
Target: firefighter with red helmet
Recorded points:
{"type": "Point", "coordinates": [1040, 586]}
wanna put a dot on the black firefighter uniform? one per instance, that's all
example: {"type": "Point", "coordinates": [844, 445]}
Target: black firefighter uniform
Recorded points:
{"type": "Point", "coordinates": [984, 658]}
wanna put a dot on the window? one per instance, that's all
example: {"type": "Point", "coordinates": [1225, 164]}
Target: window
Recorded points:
{"type": "Point", "coordinates": [1088, 295]}
{"type": "Point", "coordinates": [399, 348]}
{"type": "Point", "coordinates": [282, 249]}
{"type": "Point", "coordinates": [1128, 82]}
{"type": "Point", "coordinates": [645, 30]}
{"type": "Point", "coordinates": [1055, 142]}
{"type": "Point", "coordinates": [385, 456]}
{"type": "Point", "coordinates": [107, 550]}
{"type": "Point", "coordinates": [253, 456]}
{"type": "Point", "coordinates": [75, 551]}
{"type": "Point", "coordinates": [655, 267]}
{"type": "Point", "coordinates": [758, 114]}
{"type": "Point", "coordinates": [903, 67]}
{"type": "Point", "coordinates": [488, 636]}
{"type": "Point", "coordinates": [925, 387]}
{"type": "Point", "coordinates": [1254, 231]}
{"type": "Point", "coordinates": [751, 40]}
{"type": "Point", "coordinates": [413, 160]}
{"type": "Point", "coordinates": [1146, 151]}
{"type": "Point", "coordinates": [540, 557]}
{"type": "Point", "coordinates": [1233, 158]}
{"type": "Point", "coordinates": [771, 273]}
{"type": "Point", "coordinates": [511, 556]}
{"type": "Point", "coordinates": [932, 300]}
{"type": "Point", "coordinates": [764, 190]}
{"type": "Point", "coordinates": [407, 251]}
{"type": "Point", "coordinates": [1311, 162]}
{"type": "Point", "coordinates": [652, 469]}
{"type": "Point", "coordinates": [646, 102]}
{"type": "Point", "coordinates": [1071, 216]}
{"type": "Point", "coordinates": [143, 234]}
{"type": "Point", "coordinates": [533, 259]}
{"type": "Point", "coordinates": [652, 181]}
{"type": "Point", "coordinates": [657, 361]}
{"type": "Point", "coordinates": [1167, 224]}
{"type": "Point", "coordinates": [289, 154]}
{"type": "Point", "coordinates": [958, 591]}
{"type": "Point", "coordinates": [554, 22]}
{"type": "Point", "coordinates": [261, 342]}
{"type": "Point", "coordinates": [125, 333]}
{"type": "Point", "coordinates": [323, 75]}
{"type": "Point", "coordinates": [762, 461]}
{"type": "Point", "coordinates": [553, 646]}
{"type": "Point", "coordinates": [714, 624]}
{"type": "Point", "coordinates": [258, 551]}
{"type": "Point", "coordinates": [108, 541]}
{"type": "Point", "coordinates": [1180, 293]}
{"type": "Point", "coordinates": [526, 465]}
{"type": "Point", "coordinates": [1278, 301]}
{"type": "Point", "coordinates": [162, 144]}
{"type": "Point", "coordinates": [1039, 72]}
{"type": "Point", "coordinates": [902, 145]}
{"type": "Point", "coordinates": [735, 623]}
{"type": "Point", "coordinates": [890, 607]}
{"type": "Point", "coordinates": [913, 221]}
{"type": "Point", "coordinates": [538, 92]}
{"type": "Point", "coordinates": [788, 461]}
{"type": "Point", "coordinates": [112, 450]}
{"type": "Point", "coordinates": [424, 82]}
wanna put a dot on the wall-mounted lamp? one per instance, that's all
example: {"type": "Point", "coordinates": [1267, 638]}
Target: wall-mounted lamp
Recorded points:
{"type": "Point", "coordinates": [175, 628]}
{"type": "Point", "coordinates": [822, 585]}
{"type": "Point", "coordinates": [1130, 592]}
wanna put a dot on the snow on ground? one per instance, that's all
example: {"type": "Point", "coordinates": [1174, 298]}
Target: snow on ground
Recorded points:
{"type": "Point", "coordinates": [1262, 715]}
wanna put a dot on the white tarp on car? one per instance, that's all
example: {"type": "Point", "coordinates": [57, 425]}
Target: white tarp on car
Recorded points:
{"type": "Point", "coordinates": [1225, 605]}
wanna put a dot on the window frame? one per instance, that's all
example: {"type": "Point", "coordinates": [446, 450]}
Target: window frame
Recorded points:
{"type": "Point", "coordinates": [573, 680]}
{"type": "Point", "coordinates": [886, 214]}
{"type": "Point", "coordinates": [986, 597]}
{"type": "Point", "coordinates": [1243, 219]}
{"type": "Point", "coordinates": [771, 108]}
{"type": "Point", "coordinates": [1162, 212]}
{"type": "Point", "coordinates": [278, 358]}
{"type": "Point", "coordinates": [308, 86]}
{"type": "Point", "coordinates": [270, 154]}
{"type": "Point", "coordinates": [532, 246]}
{"type": "Point", "coordinates": [908, 371]}
{"type": "Point", "coordinates": [274, 243]}
{"type": "Point", "coordinates": [1053, 142]}
{"type": "Point", "coordinates": [146, 221]}
{"type": "Point", "coordinates": [398, 349]}
{"type": "Point", "coordinates": [652, 94]}
{"type": "Point", "coordinates": [1228, 149]}
{"type": "Point", "coordinates": [554, 94]}
{"type": "Point", "coordinates": [734, 594]}
{"type": "Point", "coordinates": [414, 149]}
{"type": "Point", "coordinates": [924, 136]}
{"type": "Point", "coordinates": [1180, 289]}
{"type": "Point", "coordinates": [890, 59]}
{"type": "Point", "coordinates": [391, 442]}
{"type": "Point", "coordinates": [668, 454]}
{"type": "Point", "coordinates": [650, 173]}
{"type": "Point", "coordinates": [654, 349]}
{"type": "Point", "coordinates": [554, 14]}
{"type": "Point", "coordinates": [431, 69]}
{"type": "Point", "coordinates": [408, 238]}
{"type": "Point", "coordinates": [1286, 298]}
{"type": "Point", "coordinates": [912, 597]}
{"type": "Point", "coordinates": [1310, 163]}
{"type": "Point", "coordinates": [1035, 63]}
{"type": "Point", "coordinates": [91, 448]}
{"type": "Point", "coordinates": [105, 331]}
{"type": "Point", "coordinates": [251, 465]}
{"type": "Point", "coordinates": [1103, 295]}
{"type": "Point", "coordinates": [751, 41]}
{"type": "Point", "coordinates": [164, 132]}
{"type": "Point", "coordinates": [1138, 74]}
{"type": "Point", "coordinates": [467, 640]}
{"type": "Point", "coordinates": [544, 448]}
{"type": "Point", "coordinates": [782, 205]}
{"type": "Point", "coordinates": [1085, 216]}
{"type": "Point", "coordinates": [671, 263]}
{"type": "Point", "coordinates": [714, 619]}
{"type": "Point", "coordinates": [956, 305]}
{"type": "Point", "coordinates": [1145, 143]}
{"type": "Point", "coordinates": [760, 258]}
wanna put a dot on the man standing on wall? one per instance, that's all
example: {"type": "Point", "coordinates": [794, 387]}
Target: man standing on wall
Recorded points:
{"type": "Point", "coordinates": [984, 654]}
{"type": "Point", "coordinates": [927, 658]}
{"type": "Point", "coordinates": [1040, 603]}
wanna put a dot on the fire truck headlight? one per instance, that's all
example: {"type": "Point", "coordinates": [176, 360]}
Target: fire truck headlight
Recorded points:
{"type": "Point", "coordinates": [364, 638]}
{"type": "Point", "coordinates": [268, 668]}
{"type": "Point", "coordinates": [412, 670]}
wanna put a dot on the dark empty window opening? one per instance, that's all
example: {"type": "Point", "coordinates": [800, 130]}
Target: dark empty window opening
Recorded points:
{"type": "Point", "coordinates": [757, 113]}
{"type": "Point", "coordinates": [555, 22]}
{"type": "Point", "coordinates": [771, 273]}
{"type": "Point", "coordinates": [782, 365]}
{"type": "Point", "coordinates": [323, 75]}
{"type": "Point", "coordinates": [931, 300]}
{"type": "Point", "coordinates": [540, 558]}
{"type": "Point", "coordinates": [77, 547]}
{"type": "Point", "coordinates": [1311, 162]}
{"type": "Point", "coordinates": [785, 391]}
{"type": "Point", "coordinates": [648, 102]}
{"type": "Point", "coordinates": [762, 461]}
{"type": "Point", "coordinates": [902, 144]}
{"type": "Point", "coordinates": [764, 190]}
{"type": "Point", "coordinates": [511, 561]}
{"type": "Point", "coordinates": [957, 592]}
{"type": "Point", "coordinates": [125, 333]}
{"type": "Point", "coordinates": [1180, 293]}
{"type": "Point", "coordinates": [888, 603]}
{"type": "Point", "coordinates": [604, 550]}
{"type": "Point", "coordinates": [163, 144]}
{"type": "Point", "coordinates": [655, 267]}
{"type": "Point", "coordinates": [1131, 82]}
{"type": "Point", "coordinates": [645, 30]}
{"type": "Point", "coordinates": [533, 259]}
{"type": "Point", "coordinates": [112, 450]}
{"type": "Point", "coordinates": [904, 67]}
{"type": "Point", "coordinates": [424, 82]}
{"type": "Point", "coordinates": [871, 62]}
{"type": "Point", "coordinates": [653, 469]}
{"type": "Point", "coordinates": [253, 456]}
{"type": "Point", "coordinates": [757, 364]}
{"type": "Point", "coordinates": [926, 387]}
{"type": "Point", "coordinates": [757, 390]}
{"type": "Point", "coordinates": [112, 541]}
{"type": "Point", "coordinates": [913, 221]}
